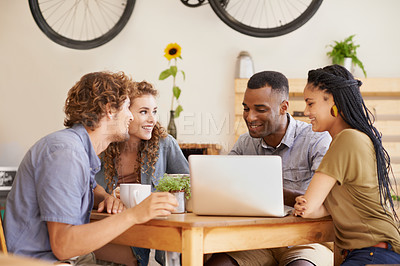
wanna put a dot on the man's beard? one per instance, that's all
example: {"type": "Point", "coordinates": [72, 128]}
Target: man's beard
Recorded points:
{"type": "Point", "coordinates": [120, 137]}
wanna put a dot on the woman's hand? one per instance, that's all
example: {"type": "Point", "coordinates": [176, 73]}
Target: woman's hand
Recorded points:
{"type": "Point", "coordinates": [300, 206]}
{"type": "Point", "coordinates": [311, 204]}
{"type": "Point", "coordinates": [111, 204]}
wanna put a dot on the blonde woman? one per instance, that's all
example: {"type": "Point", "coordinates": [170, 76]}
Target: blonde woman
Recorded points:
{"type": "Point", "coordinates": [146, 156]}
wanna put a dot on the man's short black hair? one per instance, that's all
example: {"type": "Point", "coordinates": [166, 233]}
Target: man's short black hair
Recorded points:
{"type": "Point", "coordinates": [276, 80]}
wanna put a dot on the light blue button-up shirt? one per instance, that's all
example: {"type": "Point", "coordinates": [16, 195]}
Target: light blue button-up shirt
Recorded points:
{"type": "Point", "coordinates": [54, 183]}
{"type": "Point", "coordinates": [301, 151]}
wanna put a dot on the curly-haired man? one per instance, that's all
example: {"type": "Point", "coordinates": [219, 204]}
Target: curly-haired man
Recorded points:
{"type": "Point", "coordinates": [48, 209]}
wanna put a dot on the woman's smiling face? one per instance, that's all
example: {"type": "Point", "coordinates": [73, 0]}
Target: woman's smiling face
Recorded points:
{"type": "Point", "coordinates": [318, 108]}
{"type": "Point", "coordinates": [144, 111]}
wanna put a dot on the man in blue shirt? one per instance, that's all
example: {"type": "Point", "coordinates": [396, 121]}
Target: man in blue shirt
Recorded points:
{"type": "Point", "coordinates": [273, 131]}
{"type": "Point", "coordinates": [48, 209]}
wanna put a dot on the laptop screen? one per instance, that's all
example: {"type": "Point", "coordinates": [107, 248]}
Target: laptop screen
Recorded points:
{"type": "Point", "coordinates": [249, 185]}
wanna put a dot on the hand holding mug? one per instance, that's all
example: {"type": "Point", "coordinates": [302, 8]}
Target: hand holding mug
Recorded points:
{"type": "Point", "coordinates": [132, 194]}
{"type": "Point", "coordinates": [158, 204]}
{"type": "Point", "coordinates": [116, 192]}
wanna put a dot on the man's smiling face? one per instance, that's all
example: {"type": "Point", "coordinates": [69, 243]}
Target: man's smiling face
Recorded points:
{"type": "Point", "coordinates": [261, 110]}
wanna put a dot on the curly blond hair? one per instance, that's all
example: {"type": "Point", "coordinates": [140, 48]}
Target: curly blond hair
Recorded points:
{"type": "Point", "coordinates": [147, 149]}
{"type": "Point", "coordinates": [87, 99]}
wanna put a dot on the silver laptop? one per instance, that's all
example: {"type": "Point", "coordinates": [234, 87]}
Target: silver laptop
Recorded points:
{"type": "Point", "coordinates": [249, 185]}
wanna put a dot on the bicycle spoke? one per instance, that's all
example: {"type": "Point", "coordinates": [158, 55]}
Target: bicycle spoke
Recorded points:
{"type": "Point", "coordinates": [265, 18]}
{"type": "Point", "coordinates": [70, 16]}
{"type": "Point", "coordinates": [265, 13]}
{"type": "Point", "coordinates": [273, 14]}
{"type": "Point", "coordinates": [107, 11]}
{"type": "Point", "coordinates": [254, 13]}
{"type": "Point", "coordinates": [82, 19]}
{"type": "Point", "coordinates": [233, 6]}
{"type": "Point", "coordinates": [92, 23]}
{"type": "Point", "coordinates": [81, 24]}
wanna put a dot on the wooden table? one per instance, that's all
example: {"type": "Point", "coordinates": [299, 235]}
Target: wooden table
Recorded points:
{"type": "Point", "coordinates": [194, 235]}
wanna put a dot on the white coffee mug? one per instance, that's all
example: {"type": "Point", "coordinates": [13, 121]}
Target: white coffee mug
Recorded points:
{"type": "Point", "coordinates": [132, 194]}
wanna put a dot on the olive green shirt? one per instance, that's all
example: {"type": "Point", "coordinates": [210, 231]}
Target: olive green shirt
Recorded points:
{"type": "Point", "coordinates": [354, 201]}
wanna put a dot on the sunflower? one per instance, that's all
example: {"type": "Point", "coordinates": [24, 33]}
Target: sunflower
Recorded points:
{"type": "Point", "coordinates": [172, 51]}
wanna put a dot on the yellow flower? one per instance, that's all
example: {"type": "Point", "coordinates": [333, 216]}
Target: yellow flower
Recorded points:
{"type": "Point", "coordinates": [172, 51]}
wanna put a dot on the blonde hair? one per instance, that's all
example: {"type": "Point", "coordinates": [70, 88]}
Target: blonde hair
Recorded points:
{"type": "Point", "coordinates": [147, 149]}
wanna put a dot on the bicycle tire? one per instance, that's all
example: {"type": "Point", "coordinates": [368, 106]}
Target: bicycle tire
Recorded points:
{"type": "Point", "coordinates": [66, 41]}
{"type": "Point", "coordinates": [219, 9]}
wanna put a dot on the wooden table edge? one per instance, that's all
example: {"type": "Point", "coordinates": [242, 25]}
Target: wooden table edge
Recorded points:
{"type": "Point", "coordinates": [179, 220]}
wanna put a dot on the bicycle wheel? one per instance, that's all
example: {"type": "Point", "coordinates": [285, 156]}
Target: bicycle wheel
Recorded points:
{"type": "Point", "coordinates": [81, 24]}
{"type": "Point", "coordinates": [265, 18]}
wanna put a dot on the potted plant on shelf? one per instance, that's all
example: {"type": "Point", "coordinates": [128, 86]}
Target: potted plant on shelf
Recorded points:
{"type": "Point", "coordinates": [345, 53]}
{"type": "Point", "coordinates": [177, 184]}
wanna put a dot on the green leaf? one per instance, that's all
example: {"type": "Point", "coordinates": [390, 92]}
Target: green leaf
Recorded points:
{"type": "Point", "coordinates": [184, 75]}
{"type": "Point", "coordinates": [177, 92]}
{"type": "Point", "coordinates": [345, 48]}
{"type": "Point", "coordinates": [170, 183]}
{"type": "Point", "coordinates": [178, 111]}
{"type": "Point", "coordinates": [358, 63]}
{"type": "Point", "coordinates": [165, 74]}
{"type": "Point", "coordinates": [173, 70]}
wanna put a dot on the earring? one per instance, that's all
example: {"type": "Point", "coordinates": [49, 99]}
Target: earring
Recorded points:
{"type": "Point", "coordinates": [334, 111]}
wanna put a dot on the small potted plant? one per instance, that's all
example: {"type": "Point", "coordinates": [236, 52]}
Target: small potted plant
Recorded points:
{"type": "Point", "coordinates": [345, 53]}
{"type": "Point", "coordinates": [177, 184]}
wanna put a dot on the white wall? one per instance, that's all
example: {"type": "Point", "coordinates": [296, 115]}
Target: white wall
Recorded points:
{"type": "Point", "coordinates": [35, 73]}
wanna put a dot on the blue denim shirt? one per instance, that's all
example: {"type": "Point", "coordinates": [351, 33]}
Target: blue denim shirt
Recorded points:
{"type": "Point", "coordinates": [54, 183]}
{"type": "Point", "coordinates": [170, 160]}
{"type": "Point", "coordinates": [301, 151]}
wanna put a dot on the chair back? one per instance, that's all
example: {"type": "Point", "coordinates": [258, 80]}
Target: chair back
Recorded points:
{"type": "Point", "coordinates": [3, 246]}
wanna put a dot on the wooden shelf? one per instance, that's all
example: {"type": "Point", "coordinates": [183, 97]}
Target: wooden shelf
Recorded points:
{"type": "Point", "coordinates": [372, 87]}
{"type": "Point", "coordinates": [199, 148]}
{"type": "Point", "coordinates": [383, 94]}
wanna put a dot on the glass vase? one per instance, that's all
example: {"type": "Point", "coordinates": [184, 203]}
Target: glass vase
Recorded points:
{"type": "Point", "coordinates": [171, 125]}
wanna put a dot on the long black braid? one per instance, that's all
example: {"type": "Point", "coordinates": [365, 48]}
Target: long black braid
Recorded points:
{"type": "Point", "coordinates": [340, 83]}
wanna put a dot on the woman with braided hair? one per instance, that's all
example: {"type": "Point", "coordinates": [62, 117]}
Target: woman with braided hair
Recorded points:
{"type": "Point", "coordinates": [352, 183]}
{"type": "Point", "coordinates": [145, 156]}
